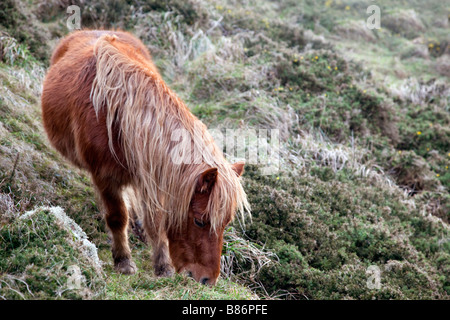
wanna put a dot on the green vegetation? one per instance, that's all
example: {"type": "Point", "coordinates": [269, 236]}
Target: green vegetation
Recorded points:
{"type": "Point", "coordinates": [365, 146]}
{"type": "Point", "coordinates": [37, 261]}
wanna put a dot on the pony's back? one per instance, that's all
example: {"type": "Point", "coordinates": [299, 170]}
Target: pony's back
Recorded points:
{"type": "Point", "coordinates": [88, 37]}
{"type": "Point", "coordinates": [72, 125]}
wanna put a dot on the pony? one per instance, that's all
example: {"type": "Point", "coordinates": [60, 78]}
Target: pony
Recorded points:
{"type": "Point", "coordinates": [106, 108]}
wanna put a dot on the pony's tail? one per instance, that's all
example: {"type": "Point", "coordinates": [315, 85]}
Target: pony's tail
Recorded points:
{"type": "Point", "coordinates": [135, 210]}
{"type": "Point", "coordinates": [108, 89]}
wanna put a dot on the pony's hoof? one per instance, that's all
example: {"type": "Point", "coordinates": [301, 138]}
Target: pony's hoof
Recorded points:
{"type": "Point", "coordinates": [164, 270]}
{"type": "Point", "coordinates": [126, 267]}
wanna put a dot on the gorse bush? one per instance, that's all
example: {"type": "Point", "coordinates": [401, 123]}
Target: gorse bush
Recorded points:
{"type": "Point", "coordinates": [326, 227]}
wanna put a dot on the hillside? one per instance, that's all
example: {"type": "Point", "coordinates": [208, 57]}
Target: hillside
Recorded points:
{"type": "Point", "coordinates": [362, 189]}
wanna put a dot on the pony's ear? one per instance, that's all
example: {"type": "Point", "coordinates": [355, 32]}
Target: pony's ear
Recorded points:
{"type": "Point", "coordinates": [238, 167]}
{"type": "Point", "coordinates": [206, 180]}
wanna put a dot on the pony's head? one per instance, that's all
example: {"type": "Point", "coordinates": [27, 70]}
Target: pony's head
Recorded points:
{"type": "Point", "coordinates": [196, 247]}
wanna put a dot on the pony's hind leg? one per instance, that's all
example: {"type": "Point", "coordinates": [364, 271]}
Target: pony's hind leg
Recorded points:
{"type": "Point", "coordinates": [116, 216]}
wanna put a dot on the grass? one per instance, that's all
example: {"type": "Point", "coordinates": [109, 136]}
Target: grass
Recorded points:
{"type": "Point", "coordinates": [144, 286]}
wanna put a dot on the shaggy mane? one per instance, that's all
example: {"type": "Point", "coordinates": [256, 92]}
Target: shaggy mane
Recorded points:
{"type": "Point", "coordinates": [129, 89]}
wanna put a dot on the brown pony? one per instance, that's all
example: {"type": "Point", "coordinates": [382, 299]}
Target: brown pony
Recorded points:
{"type": "Point", "coordinates": [106, 108]}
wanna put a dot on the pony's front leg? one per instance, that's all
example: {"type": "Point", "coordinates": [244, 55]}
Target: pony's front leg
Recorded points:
{"type": "Point", "coordinates": [116, 216]}
{"type": "Point", "coordinates": [162, 263]}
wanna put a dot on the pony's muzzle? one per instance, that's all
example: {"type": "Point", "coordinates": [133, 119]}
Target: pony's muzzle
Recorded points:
{"type": "Point", "coordinates": [203, 279]}
{"type": "Point", "coordinates": [208, 281]}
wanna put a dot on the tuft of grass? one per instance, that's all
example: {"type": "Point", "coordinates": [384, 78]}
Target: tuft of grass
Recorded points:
{"type": "Point", "coordinates": [144, 285]}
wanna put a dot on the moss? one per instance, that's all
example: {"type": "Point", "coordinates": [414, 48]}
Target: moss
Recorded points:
{"type": "Point", "coordinates": [36, 258]}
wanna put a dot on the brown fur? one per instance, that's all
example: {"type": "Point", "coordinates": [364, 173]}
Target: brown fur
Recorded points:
{"type": "Point", "coordinates": [106, 108]}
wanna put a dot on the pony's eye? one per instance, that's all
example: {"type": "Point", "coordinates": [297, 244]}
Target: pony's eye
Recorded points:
{"type": "Point", "coordinates": [199, 223]}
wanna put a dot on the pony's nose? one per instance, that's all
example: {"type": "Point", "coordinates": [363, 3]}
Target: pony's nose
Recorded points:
{"type": "Point", "coordinates": [204, 280]}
